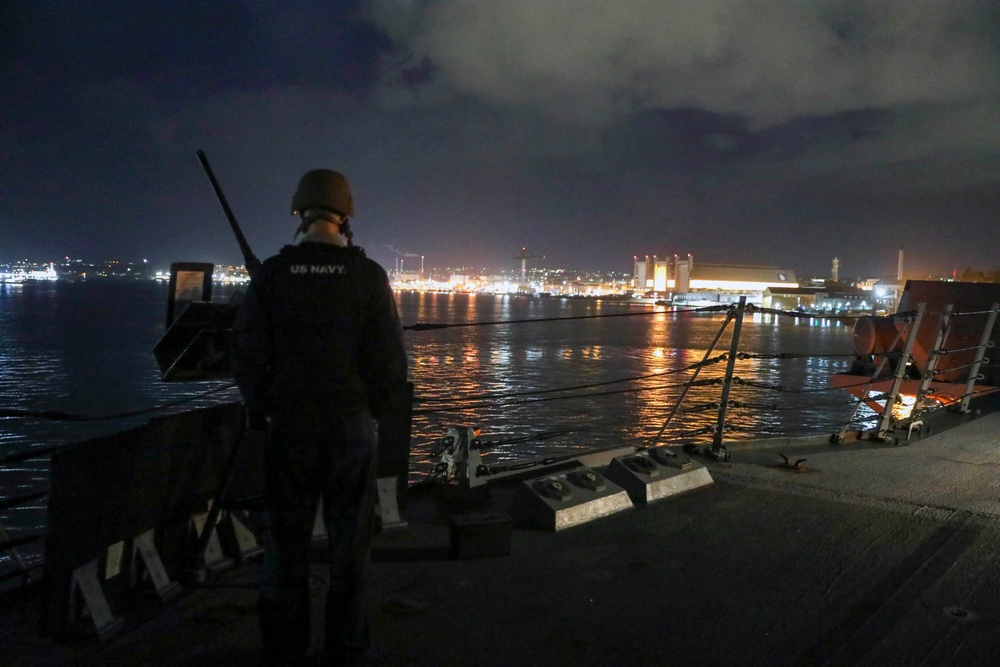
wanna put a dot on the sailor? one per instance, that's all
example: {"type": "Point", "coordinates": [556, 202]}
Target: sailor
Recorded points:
{"type": "Point", "coordinates": [318, 358]}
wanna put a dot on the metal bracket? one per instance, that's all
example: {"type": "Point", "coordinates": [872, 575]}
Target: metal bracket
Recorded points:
{"type": "Point", "coordinates": [144, 549]}
{"type": "Point", "coordinates": [388, 509]}
{"type": "Point", "coordinates": [212, 558]}
{"type": "Point", "coordinates": [915, 425]}
{"type": "Point", "coordinates": [84, 584]}
{"type": "Point", "coordinates": [236, 539]}
{"type": "Point", "coordinates": [720, 453]}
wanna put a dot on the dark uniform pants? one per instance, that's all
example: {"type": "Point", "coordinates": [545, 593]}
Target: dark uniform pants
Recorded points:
{"type": "Point", "coordinates": [308, 457]}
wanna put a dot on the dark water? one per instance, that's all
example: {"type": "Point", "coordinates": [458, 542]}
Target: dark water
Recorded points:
{"type": "Point", "coordinates": [86, 348]}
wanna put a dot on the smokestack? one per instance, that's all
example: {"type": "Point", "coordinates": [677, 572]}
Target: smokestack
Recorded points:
{"type": "Point", "coordinates": [899, 269]}
{"type": "Point", "coordinates": [835, 270]}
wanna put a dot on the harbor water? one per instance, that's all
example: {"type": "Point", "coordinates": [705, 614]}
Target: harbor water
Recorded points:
{"type": "Point", "coordinates": [538, 376]}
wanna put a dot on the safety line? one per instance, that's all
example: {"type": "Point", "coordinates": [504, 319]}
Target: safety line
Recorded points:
{"type": "Point", "coordinates": [426, 326]}
{"type": "Point", "coordinates": [55, 415]}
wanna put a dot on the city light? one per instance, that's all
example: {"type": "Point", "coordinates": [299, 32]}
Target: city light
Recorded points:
{"type": "Point", "coordinates": [21, 274]}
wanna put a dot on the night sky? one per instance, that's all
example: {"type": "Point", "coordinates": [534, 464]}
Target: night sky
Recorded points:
{"type": "Point", "coordinates": [770, 133]}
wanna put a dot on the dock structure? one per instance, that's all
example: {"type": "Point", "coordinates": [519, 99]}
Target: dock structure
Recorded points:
{"type": "Point", "coordinates": [859, 553]}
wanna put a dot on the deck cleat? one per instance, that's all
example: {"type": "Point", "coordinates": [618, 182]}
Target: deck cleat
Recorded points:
{"type": "Point", "coordinates": [788, 465]}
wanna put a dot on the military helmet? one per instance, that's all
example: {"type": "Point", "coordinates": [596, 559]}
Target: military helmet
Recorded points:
{"type": "Point", "coordinates": [324, 188]}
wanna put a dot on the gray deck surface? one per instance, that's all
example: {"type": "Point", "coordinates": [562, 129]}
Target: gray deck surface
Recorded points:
{"type": "Point", "coordinates": [873, 555]}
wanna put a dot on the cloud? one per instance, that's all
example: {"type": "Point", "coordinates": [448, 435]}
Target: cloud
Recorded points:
{"type": "Point", "coordinates": [595, 61]}
{"type": "Point", "coordinates": [400, 253]}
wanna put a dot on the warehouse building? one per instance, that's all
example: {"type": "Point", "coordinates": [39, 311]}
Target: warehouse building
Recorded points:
{"type": "Point", "coordinates": [680, 281]}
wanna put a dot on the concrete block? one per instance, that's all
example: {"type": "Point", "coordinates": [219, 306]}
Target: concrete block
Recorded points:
{"type": "Point", "coordinates": [566, 499]}
{"type": "Point", "coordinates": [658, 473]}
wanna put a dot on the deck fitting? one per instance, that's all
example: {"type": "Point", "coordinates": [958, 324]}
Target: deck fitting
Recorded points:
{"type": "Point", "coordinates": [794, 467]}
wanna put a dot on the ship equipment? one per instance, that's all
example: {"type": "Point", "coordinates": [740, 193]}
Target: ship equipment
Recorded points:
{"type": "Point", "coordinates": [905, 366]}
{"type": "Point", "coordinates": [559, 492]}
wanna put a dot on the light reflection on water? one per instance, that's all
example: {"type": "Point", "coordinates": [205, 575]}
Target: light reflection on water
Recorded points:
{"type": "Point", "coordinates": [505, 359]}
{"type": "Point", "coordinates": [86, 348]}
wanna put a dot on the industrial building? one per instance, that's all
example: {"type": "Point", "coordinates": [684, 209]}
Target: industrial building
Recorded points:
{"type": "Point", "coordinates": [830, 298]}
{"type": "Point", "coordinates": [681, 281]}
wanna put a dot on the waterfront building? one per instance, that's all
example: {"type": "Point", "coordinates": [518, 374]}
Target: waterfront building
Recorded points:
{"type": "Point", "coordinates": [680, 280]}
{"type": "Point", "coordinates": [833, 297]}
{"type": "Point", "coordinates": [22, 272]}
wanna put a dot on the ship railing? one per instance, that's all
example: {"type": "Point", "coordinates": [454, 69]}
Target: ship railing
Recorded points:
{"type": "Point", "coordinates": [926, 396]}
{"type": "Point", "coordinates": [858, 420]}
{"type": "Point", "coordinates": [888, 421]}
{"type": "Point", "coordinates": [717, 432]}
{"type": "Point", "coordinates": [984, 342]}
{"type": "Point", "coordinates": [926, 399]}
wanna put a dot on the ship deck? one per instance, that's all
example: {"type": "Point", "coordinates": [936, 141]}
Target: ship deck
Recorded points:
{"type": "Point", "coordinates": [867, 554]}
